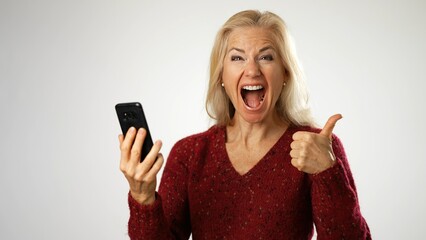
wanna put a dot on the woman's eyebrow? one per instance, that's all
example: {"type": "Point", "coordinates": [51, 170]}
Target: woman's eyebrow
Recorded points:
{"type": "Point", "coordinates": [236, 49]}
{"type": "Point", "coordinates": [242, 51]}
{"type": "Point", "coordinates": [265, 49]}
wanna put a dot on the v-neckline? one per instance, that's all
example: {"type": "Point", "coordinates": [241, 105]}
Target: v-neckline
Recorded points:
{"type": "Point", "coordinates": [262, 160]}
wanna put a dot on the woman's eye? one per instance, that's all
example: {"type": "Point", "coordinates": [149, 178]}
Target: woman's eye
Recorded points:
{"type": "Point", "coordinates": [236, 58]}
{"type": "Point", "coordinates": [267, 57]}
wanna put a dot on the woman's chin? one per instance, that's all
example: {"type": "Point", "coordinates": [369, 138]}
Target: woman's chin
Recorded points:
{"type": "Point", "coordinates": [251, 116]}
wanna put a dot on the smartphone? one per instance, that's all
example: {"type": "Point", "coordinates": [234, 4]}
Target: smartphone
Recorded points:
{"type": "Point", "coordinates": [132, 115]}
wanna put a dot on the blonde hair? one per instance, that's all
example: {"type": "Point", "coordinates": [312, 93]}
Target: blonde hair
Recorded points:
{"type": "Point", "coordinates": [292, 105]}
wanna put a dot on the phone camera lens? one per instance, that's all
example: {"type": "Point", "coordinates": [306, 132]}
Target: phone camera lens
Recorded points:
{"type": "Point", "coordinates": [126, 116]}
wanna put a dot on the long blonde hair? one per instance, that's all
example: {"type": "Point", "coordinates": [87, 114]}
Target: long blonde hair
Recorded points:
{"type": "Point", "coordinates": [292, 105]}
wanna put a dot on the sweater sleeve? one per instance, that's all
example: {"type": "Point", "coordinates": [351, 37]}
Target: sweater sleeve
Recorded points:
{"type": "Point", "coordinates": [335, 205]}
{"type": "Point", "coordinates": [168, 217]}
{"type": "Point", "coordinates": [146, 221]}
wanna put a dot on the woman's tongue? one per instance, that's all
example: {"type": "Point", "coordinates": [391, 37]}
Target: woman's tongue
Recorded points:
{"type": "Point", "coordinates": [253, 98]}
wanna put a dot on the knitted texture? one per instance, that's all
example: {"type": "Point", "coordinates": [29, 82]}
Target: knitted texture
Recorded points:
{"type": "Point", "coordinates": [201, 193]}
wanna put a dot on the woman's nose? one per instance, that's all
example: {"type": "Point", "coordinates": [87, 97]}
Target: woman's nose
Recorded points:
{"type": "Point", "coordinates": [252, 69]}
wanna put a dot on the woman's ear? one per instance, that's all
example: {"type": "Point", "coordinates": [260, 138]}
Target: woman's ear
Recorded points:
{"type": "Point", "coordinates": [286, 74]}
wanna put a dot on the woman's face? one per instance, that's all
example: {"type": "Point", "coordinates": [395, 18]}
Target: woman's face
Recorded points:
{"type": "Point", "coordinates": [252, 74]}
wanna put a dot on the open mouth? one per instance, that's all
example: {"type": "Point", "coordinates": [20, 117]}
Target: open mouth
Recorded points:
{"type": "Point", "coordinates": [253, 95]}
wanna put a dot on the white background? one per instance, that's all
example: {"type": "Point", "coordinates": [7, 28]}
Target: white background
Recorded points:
{"type": "Point", "coordinates": [65, 64]}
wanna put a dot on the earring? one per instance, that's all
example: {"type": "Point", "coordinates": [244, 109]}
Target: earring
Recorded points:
{"type": "Point", "coordinates": [284, 84]}
{"type": "Point", "coordinates": [223, 84]}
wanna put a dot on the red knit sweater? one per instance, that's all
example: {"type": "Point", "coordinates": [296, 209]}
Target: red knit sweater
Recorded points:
{"type": "Point", "coordinates": [201, 193]}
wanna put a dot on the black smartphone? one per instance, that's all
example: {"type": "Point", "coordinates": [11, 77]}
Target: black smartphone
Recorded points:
{"type": "Point", "coordinates": [132, 115]}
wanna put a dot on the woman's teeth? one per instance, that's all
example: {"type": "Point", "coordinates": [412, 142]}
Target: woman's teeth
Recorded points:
{"type": "Point", "coordinates": [253, 88]}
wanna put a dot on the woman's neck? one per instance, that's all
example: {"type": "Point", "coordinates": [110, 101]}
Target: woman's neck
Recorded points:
{"type": "Point", "coordinates": [252, 134]}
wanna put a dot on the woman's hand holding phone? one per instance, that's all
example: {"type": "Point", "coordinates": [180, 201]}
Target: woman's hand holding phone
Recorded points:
{"type": "Point", "coordinates": [142, 176]}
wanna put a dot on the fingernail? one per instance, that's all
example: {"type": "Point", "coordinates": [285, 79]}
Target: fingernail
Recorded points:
{"type": "Point", "coordinates": [159, 142]}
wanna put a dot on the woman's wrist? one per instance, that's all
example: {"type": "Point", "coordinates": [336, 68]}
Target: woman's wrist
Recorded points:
{"type": "Point", "coordinates": [143, 199]}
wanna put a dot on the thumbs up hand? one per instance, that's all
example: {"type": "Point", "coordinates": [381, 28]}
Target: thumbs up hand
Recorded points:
{"type": "Point", "coordinates": [312, 152]}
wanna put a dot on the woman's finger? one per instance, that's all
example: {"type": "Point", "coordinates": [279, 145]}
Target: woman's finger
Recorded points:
{"type": "Point", "coordinates": [126, 145]}
{"type": "Point", "coordinates": [150, 159]}
{"type": "Point", "coordinates": [303, 136]}
{"type": "Point", "coordinates": [120, 139]}
{"type": "Point", "coordinates": [123, 160]}
{"type": "Point", "coordinates": [136, 150]}
{"type": "Point", "coordinates": [152, 173]}
{"type": "Point", "coordinates": [294, 153]}
{"type": "Point", "coordinates": [298, 144]}
{"type": "Point", "coordinates": [296, 163]}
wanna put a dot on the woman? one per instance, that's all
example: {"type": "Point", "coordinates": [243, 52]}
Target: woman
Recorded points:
{"type": "Point", "coordinates": [263, 171]}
